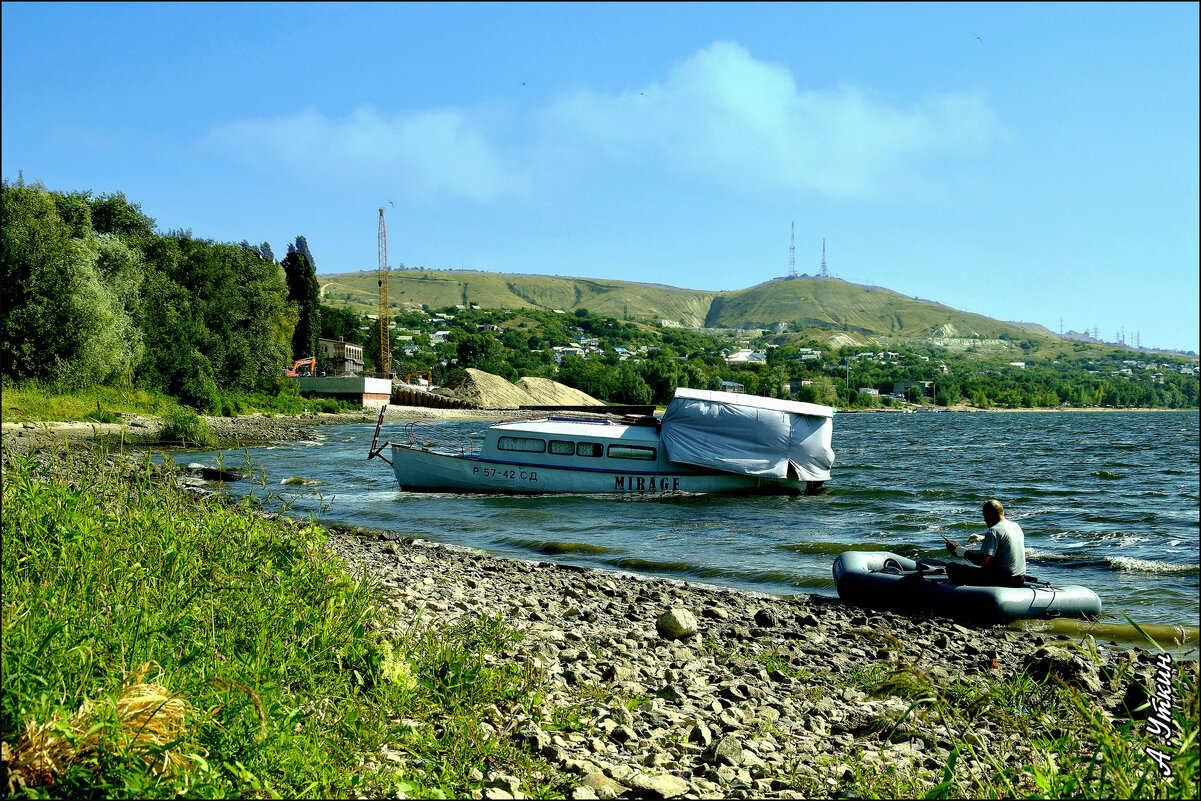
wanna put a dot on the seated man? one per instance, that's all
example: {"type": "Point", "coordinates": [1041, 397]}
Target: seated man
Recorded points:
{"type": "Point", "coordinates": [1001, 559]}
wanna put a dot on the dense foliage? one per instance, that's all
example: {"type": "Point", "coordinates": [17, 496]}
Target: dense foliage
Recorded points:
{"type": "Point", "coordinates": [94, 296]}
{"type": "Point", "coordinates": [659, 359]}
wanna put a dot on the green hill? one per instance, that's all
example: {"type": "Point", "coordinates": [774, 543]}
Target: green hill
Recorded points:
{"type": "Point", "coordinates": [782, 305]}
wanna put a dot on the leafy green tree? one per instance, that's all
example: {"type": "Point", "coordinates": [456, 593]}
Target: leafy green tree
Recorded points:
{"type": "Point", "coordinates": [337, 322]}
{"type": "Point", "coordinates": [481, 351]}
{"type": "Point", "coordinates": [304, 292]}
{"type": "Point", "coordinates": [113, 214]}
{"type": "Point", "coordinates": [36, 257]}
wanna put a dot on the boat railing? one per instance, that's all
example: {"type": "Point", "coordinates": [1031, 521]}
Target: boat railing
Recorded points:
{"type": "Point", "coordinates": [436, 437]}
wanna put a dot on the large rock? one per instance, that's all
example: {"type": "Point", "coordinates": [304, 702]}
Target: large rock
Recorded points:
{"type": "Point", "coordinates": [676, 624]}
{"type": "Point", "coordinates": [661, 786]}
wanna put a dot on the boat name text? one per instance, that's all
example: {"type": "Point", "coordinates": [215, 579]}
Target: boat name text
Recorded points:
{"type": "Point", "coordinates": [645, 484]}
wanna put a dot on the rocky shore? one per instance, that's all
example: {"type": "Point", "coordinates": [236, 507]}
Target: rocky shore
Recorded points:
{"type": "Point", "coordinates": [688, 690]}
{"type": "Point", "coordinates": [251, 429]}
{"type": "Point", "coordinates": [694, 691]}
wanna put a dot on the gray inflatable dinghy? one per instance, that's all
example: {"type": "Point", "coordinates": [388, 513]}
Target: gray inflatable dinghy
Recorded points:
{"type": "Point", "coordinates": [882, 580]}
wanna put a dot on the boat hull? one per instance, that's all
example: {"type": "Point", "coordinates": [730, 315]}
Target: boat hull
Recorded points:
{"type": "Point", "coordinates": [859, 580]}
{"type": "Point", "coordinates": [424, 470]}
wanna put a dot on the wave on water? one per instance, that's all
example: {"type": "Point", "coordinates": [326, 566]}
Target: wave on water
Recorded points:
{"type": "Point", "coordinates": [834, 548]}
{"type": "Point", "coordinates": [1108, 476]}
{"type": "Point", "coordinates": [552, 548]}
{"type": "Point", "coordinates": [1115, 563]}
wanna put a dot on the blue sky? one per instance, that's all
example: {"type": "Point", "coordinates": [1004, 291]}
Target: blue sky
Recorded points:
{"type": "Point", "coordinates": [1027, 162]}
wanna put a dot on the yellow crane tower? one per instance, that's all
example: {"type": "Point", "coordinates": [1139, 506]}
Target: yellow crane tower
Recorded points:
{"type": "Point", "coordinates": [385, 341]}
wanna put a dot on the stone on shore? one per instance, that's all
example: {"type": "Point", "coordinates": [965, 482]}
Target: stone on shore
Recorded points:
{"type": "Point", "coordinates": [676, 624]}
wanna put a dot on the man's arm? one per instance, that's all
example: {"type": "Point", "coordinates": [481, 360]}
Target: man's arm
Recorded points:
{"type": "Point", "coordinates": [988, 548]}
{"type": "Point", "coordinates": [977, 558]}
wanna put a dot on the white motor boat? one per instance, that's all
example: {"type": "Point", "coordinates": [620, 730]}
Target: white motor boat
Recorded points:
{"type": "Point", "coordinates": [706, 442]}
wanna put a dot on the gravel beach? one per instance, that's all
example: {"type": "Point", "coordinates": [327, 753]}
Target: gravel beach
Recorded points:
{"type": "Point", "coordinates": [687, 690]}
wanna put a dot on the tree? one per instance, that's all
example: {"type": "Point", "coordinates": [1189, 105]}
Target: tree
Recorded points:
{"type": "Point", "coordinates": [113, 214]}
{"type": "Point", "coordinates": [302, 247]}
{"type": "Point", "coordinates": [481, 351]}
{"type": "Point", "coordinates": [304, 292]}
{"type": "Point", "coordinates": [36, 256]}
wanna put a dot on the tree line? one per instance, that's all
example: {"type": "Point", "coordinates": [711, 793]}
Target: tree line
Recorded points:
{"type": "Point", "coordinates": [94, 295]}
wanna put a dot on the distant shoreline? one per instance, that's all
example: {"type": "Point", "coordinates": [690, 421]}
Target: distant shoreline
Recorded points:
{"type": "Point", "coordinates": [143, 429]}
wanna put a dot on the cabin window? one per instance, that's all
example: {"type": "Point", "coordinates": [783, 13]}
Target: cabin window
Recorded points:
{"type": "Point", "coordinates": [562, 447]}
{"type": "Point", "coordinates": [589, 449]}
{"type": "Point", "coordinates": [526, 444]}
{"type": "Point", "coordinates": [631, 452]}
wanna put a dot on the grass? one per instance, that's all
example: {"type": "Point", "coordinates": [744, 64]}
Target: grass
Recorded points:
{"type": "Point", "coordinates": [1068, 746]}
{"type": "Point", "coordinates": [162, 645]}
{"type": "Point", "coordinates": [33, 401]}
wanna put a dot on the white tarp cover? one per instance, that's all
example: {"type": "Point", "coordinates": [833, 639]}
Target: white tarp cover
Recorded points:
{"type": "Point", "coordinates": [749, 435]}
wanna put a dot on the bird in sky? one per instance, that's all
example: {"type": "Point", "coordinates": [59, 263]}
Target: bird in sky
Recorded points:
{"type": "Point", "coordinates": [978, 39]}
{"type": "Point", "coordinates": [390, 203]}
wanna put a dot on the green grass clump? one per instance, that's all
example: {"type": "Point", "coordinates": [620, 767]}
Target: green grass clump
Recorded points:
{"type": "Point", "coordinates": [160, 644]}
{"type": "Point", "coordinates": [34, 401]}
{"type": "Point", "coordinates": [184, 426]}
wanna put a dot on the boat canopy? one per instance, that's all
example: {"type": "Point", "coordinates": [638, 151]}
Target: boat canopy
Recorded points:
{"type": "Point", "coordinates": [749, 435]}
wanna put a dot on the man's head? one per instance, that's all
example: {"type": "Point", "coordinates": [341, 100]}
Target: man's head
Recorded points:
{"type": "Point", "coordinates": [994, 512]}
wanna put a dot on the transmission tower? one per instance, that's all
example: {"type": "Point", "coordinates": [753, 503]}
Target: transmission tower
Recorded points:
{"type": "Point", "coordinates": [1061, 328]}
{"type": "Point", "coordinates": [824, 273]}
{"type": "Point", "coordinates": [385, 343]}
{"type": "Point", "coordinates": [792, 253]}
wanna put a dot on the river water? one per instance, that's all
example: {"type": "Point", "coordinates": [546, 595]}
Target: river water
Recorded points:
{"type": "Point", "coordinates": [1107, 500]}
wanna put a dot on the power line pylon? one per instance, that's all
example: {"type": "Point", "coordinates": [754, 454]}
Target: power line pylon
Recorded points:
{"type": "Point", "coordinates": [792, 253]}
{"type": "Point", "coordinates": [385, 343]}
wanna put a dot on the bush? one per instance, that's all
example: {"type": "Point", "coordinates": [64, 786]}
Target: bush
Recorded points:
{"type": "Point", "coordinates": [183, 425]}
{"type": "Point", "coordinates": [103, 415]}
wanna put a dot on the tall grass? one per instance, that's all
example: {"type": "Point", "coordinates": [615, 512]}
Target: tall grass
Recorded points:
{"type": "Point", "coordinates": [35, 401]}
{"type": "Point", "coordinates": [259, 664]}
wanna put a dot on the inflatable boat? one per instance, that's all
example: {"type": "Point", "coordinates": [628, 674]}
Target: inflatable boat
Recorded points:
{"type": "Point", "coordinates": [885, 581]}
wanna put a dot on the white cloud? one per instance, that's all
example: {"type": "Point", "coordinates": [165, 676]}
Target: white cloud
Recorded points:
{"type": "Point", "coordinates": [724, 115]}
{"type": "Point", "coordinates": [443, 151]}
{"type": "Point", "coordinates": [721, 116]}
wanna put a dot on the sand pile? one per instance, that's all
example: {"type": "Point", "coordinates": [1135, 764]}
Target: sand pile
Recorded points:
{"type": "Point", "coordinates": [551, 393]}
{"type": "Point", "coordinates": [490, 391]}
{"type": "Point", "coordinates": [487, 391]}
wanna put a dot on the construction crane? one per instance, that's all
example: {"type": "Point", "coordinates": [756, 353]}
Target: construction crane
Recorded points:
{"type": "Point", "coordinates": [385, 342]}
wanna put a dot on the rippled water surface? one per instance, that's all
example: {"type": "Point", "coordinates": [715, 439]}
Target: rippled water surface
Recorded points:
{"type": "Point", "coordinates": [1108, 500]}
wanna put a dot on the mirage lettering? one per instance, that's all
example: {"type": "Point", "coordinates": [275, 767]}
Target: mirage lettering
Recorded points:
{"type": "Point", "coordinates": [646, 484]}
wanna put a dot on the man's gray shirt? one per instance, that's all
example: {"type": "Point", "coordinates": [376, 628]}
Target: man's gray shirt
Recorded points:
{"type": "Point", "coordinates": [1006, 543]}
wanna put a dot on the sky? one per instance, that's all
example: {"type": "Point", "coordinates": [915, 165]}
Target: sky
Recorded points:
{"type": "Point", "coordinates": [1028, 162]}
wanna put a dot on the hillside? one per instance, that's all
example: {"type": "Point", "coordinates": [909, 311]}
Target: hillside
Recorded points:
{"type": "Point", "coordinates": [781, 305]}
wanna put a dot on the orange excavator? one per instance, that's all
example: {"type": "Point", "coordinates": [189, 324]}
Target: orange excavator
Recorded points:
{"type": "Point", "coordinates": [298, 369]}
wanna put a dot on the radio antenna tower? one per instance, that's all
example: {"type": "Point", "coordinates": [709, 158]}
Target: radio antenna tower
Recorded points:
{"type": "Point", "coordinates": [385, 343]}
{"type": "Point", "coordinates": [824, 273]}
{"type": "Point", "coordinates": [792, 253]}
